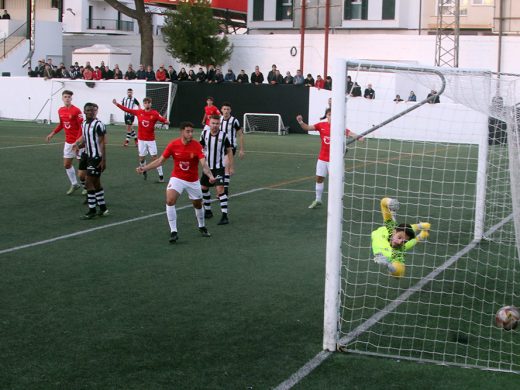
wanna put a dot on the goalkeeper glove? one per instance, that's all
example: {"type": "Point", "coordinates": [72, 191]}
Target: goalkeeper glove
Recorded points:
{"type": "Point", "coordinates": [379, 258]}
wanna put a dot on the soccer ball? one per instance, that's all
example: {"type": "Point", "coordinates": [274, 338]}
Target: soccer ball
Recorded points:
{"type": "Point", "coordinates": [396, 269]}
{"type": "Point", "coordinates": [507, 317]}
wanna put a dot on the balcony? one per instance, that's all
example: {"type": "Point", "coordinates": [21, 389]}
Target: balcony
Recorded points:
{"type": "Point", "coordinates": [110, 24]}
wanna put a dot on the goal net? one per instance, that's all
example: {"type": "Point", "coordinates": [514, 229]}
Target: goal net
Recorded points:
{"type": "Point", "coordinates": [102, 92]}
{"type": "Point", "coordinates": [450, 159]}
{"type": "Point", "coordinates": [264, 123]}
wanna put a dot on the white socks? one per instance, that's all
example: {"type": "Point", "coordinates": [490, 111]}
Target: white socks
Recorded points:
{"type": "Point", "coordinates": [171, 213]}
{"type": "Point", "coordinates": [159, 170]}
{"type": "Point", "coordinates": [71, 173]}
{"type": "Point", "coordinates": [319, 191]}
{"type": "Point", "coordinates": [199, 213]}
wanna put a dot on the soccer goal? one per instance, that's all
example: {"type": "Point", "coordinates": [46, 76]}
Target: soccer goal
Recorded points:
{"type": "Point", "coordinates": [454, 164]}
{"type": "Point", "coordinates": [102, 92]}
{"type": "Point", "coordinates": [264, 123]}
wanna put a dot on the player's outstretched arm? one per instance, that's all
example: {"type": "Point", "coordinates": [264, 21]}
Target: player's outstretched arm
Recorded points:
{"type": "Point", "coordinates": [389, 208]}
{"type": "Point", "coordinates": [304, 125]}
{"type": "Point", "coordinates": [231, 160]}
{"type": "Point", "coordinates": [355, 136]}
{"type": "Point", "coordinates": [152, 165]}
{"type": "Point", "coordinates": [242, 150]}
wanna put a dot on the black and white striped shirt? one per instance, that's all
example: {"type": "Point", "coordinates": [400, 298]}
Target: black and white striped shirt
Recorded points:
{"type": "Point", "coordinates": [92, 131]}
{"type": "Point", "coordinates": [230, 126]}
{"type": "Point", "coordinates": [215, 148]}
{"type": "Point", "coordinates": [130, 102]}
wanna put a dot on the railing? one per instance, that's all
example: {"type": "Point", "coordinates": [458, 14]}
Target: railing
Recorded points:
{"type": "Point", "coordinates": [18, 33]}
{"type": "Point", "coordinates": [110, 24]}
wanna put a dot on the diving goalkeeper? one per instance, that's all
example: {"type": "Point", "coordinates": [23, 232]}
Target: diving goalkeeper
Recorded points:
{"type": "Point", "coordinates": [391, 241]}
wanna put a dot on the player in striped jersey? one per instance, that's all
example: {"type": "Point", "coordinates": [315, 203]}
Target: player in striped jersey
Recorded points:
{"type": "Point", "coordinates": [129, 101]}
{"type": "Point", "coordinates": [216, 148]}
{"type": "Point", "coordinates": [70, 122]}
{"type": "Point", "coordinates": [94, 140]}
{"type": "Point", "coordinates": [231, 126]}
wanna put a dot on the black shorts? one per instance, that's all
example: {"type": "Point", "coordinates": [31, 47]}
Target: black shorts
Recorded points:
{"type": "Point", "coordinates": [93, 166]}
{"type": "Point", "coordinates": [218, 174]}
{"type": "Point", "coordinates": [83, 162]}
{"type": "Point", "coordinates": [129, 119]}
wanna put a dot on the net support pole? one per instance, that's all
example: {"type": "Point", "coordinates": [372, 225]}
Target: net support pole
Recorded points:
{"type": "Point", "coordinates": [335, 207]}
{"type": "Point", "coordinates": [480, 201]}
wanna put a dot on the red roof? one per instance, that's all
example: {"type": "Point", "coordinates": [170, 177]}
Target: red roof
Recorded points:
{"type": "Point", "coordinates": [232, 5]}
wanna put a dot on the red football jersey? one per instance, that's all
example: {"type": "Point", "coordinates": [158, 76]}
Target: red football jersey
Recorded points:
{"type": "Point", "coordinates": [185, 159]}
{"type": "Point", "coordinates": [324, 129]}
{"type": "Point", "coordinates": [146, 121]}
{"type": "Point", "coordinates": [71, 119]}
{"type": "Point", "coordinates": [210, 110]}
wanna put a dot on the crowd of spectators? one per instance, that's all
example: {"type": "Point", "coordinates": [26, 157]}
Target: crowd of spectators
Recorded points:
{"type": "Point", "coordinates": [213, 74]}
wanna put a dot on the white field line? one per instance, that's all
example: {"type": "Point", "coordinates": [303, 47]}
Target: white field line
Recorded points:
{"type": "Point", "coordinates": [308, 367]}
{"type": "Point", "coordinates": [86, 231]}
{"type": "Point", "coordinates": [25, 146]}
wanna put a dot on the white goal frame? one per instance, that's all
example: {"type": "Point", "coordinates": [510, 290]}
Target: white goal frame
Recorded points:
{"type": "Point", "coordinates": [282, 130]}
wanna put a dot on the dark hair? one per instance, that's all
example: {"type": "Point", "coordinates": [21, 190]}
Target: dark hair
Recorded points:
{"type": "Point", "coordinates": [183, 125]}
{"type": "Point", "coordinates": [407, 229]}
{"type": "Point", "coordinates": [215, 117]}
{"type": "Point", "coordinates": [226, 104]}
{"type": "Point", "coordinates": [93, 105]}
{"type": "Point", "coordinates": [147, 99]}
{"type": "Point", "coordinates": [67, 92]}
{"type": "Point", "coordinates": [129, 89]}
{"type": "Point", "coordinates": [210, 98]}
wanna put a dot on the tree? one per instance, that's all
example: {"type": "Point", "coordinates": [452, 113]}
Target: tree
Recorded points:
{"type": "Point", "coordinates": [144, 21]}
{"type": "Point", "coordinates": [191, 35]}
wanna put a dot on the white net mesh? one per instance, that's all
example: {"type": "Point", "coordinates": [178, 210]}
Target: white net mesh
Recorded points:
{"type": "Point", "coordinates": [447, 164]}
{"type": "Point", "coordinates": [264, 123]}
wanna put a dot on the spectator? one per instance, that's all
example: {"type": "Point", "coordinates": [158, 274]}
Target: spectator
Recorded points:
{"type": "Point", "coordinates": [271, 76]}
{"type": "Point", "coordinates": [81, 70]}
{"type": "Point", "coordinates": [38, 70]}
{"type": "Point", "coordinates": [210, 75]}
{"type": "Point", "coordinates": [62, 72]}
{"type": "Point", "coordinates": [356, 90]}
{"type": "Point", "coordinates": [76, 67]}
{"type": "Point", "coordinates": [53, 67]}
{"type": "Point", "coordinates": [87, 65]}
{"type": "Point", "coordinates": [130, 73]}
{"type": "Point", "coordinates": [350, 84]}
{"type": "Point", "coordinates": [6, 16]}
{"type": "Point", "coordinates": [242, 77]}
{"type": "Point", "coordinates": [171, 74]}
{"type": "Point", "coordinates": [278, 78]}
{"type": "Point", "coordinates": [412, 97]}
{"type": "Point", "coordinates": [230, 76]}
{"type": "Point", "coordinates": [298, 79]}
{"type": "Point", "coordinates": [47, 72]}
{"type": "Point", "coordinates": [160, 75]}
{"type": "Point", "coordinates": [192, 76]}
{"type": "Point", "coordinates": [288, 79]}
{"type": "Point", "coordinates": [87, 73]}
{"type": "Point", "coordinates": [201, 76]}
{"type": "Point", "coordinates": [97, 75]}
{"type": "Point", "coordinates": [320, 83]}
{"type": "Point", "coordinates": [219, 77]}
{"type": "Point", "coordinates": [309, 81]}
{"type": "Point", "coordinates": [141, 73]}
{"type": "Point", "coordinates": [328, 83]}
{"type": "Point", "coordinates": [74, 73]}
{"type": "Point", "coordinates": [182, 76]}
{"type": "Point", "coordinates": [149, 74]}
{"type": "Point", "coordinates": [398, 99]}
{"type": "Point", "coordinates": [117, 74]}
{"type": "Point", "coordinates": [433, 98]}
{"type": "Point", "coordinates": [369, 92]}
{"type": "Point", "coordinates": [257, 77]}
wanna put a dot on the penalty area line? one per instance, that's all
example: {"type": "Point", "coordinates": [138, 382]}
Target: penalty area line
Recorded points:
{"type": "Point", "coordinates": [86, 231]}
{"type": "Point", "coordinates": [308, 367]}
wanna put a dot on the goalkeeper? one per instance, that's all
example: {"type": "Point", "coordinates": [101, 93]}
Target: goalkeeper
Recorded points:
{"type": "Point", "coordinates": [391, 241]}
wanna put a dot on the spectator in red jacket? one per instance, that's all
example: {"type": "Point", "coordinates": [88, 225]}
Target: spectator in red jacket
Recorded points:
{"type": "Point", "coordinates": [320, 83]}
{"type": "Point", "coordinates": [87, 73]}
{"type": "Point", "coordinates": [161, 75]}
{"type": "Point", "coordinates": [97, 74]}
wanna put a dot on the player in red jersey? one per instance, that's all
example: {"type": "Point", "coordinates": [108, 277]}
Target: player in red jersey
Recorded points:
{"type": "Point", "coordinates": [146, 120]}
{"type": "Point", "coordinates": [322, 165]}
{"type": "Point", "coordinates": [209, 110]}
{"type": "Point", "coordinates": [187, 154]}
{"type": "Point", "coordinates": [70, 121]}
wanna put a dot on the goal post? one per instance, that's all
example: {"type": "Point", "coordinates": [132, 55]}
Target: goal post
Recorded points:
{"type": "Point", "coordinates": [440, 162]}
{"type": "Point", "coordinates": [102, 92]}
{"type": "Point", "coordinates": [264, 123]}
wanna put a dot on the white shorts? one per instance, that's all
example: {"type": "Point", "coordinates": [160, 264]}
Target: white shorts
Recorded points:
{"type": "Point", "coordinates": [192, 187]}
{"type": "Point", "coordinates": [322, 168]}
{"type": "Point", "coordinates": [146, 147]}
{"type": "Point", "coordinates": [69, 152]}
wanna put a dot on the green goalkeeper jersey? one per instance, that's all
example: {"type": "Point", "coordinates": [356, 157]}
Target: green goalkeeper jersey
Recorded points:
{"type": "Point", "coordinates": [381, 243]}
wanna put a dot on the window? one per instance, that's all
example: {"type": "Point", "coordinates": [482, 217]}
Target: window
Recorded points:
{"type": "Point", "coordinates": [355, 10]}
{"type": "Point", "coordinates": [482, 2]}
{"type": "Point", "coordinates": [388, 9]}
{"type": "Point", "coordinates": [284, 9]}
{"type": "Point", "coordinates": [449, 7]}
{"type": "Point", "coordinates": [258, 10]}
